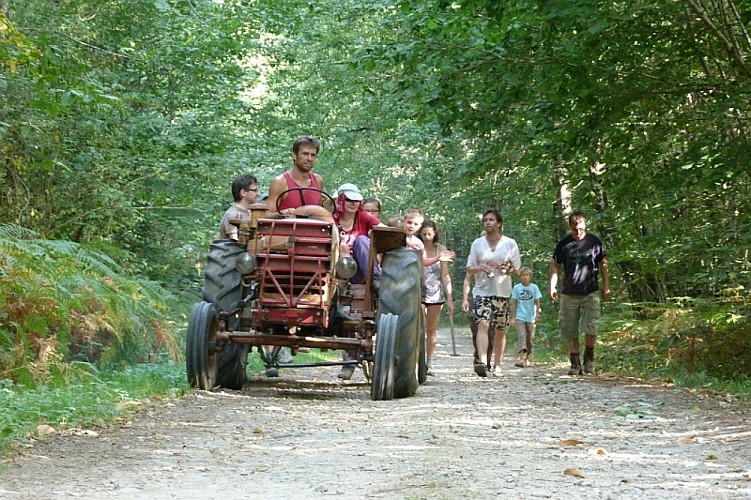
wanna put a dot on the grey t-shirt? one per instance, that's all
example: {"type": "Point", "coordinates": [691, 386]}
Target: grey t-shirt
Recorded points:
{"type": "Point", "coordinates": [227, 230]}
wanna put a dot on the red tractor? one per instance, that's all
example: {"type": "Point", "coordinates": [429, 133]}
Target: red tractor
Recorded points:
{"type": "Point", "coordinates": [283, 284]}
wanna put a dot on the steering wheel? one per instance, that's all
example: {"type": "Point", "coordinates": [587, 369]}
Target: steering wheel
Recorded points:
{"type": "Point", "coordinates": [327, 201]}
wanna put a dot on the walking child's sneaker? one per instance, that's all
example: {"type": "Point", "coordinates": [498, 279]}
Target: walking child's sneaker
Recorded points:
{"type": "Point", "coordinates": [430, 372]}
{"type": "Point", "coordinates": [576, 367]}
{"type": "Point", "coordinates": [522, 356]}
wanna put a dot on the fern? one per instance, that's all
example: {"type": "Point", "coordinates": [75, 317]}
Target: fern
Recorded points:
{"type": "Point", "coordinates": [77, 301]}
{"type": "Point", "coordinates": [97, 262]}
{"type": "Point", "coordinates": [15, 232]}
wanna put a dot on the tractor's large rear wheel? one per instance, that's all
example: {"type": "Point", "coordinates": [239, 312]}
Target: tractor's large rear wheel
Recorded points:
{"type": "Point", "coordinates": [200, 356]}
{"type": "Point", "coordinates": [382, 387]}
{"type": "Point", "coordinates": [223, 287]}
{"type": "Point", "coordinates": [401, 295]}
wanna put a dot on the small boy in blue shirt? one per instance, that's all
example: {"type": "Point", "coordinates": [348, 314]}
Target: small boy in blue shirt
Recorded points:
{"type": "Point", "coordinates": [525, 313]}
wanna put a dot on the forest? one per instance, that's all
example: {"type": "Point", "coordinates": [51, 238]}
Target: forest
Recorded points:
{"type": "Point", "coordinates": [123, 122]}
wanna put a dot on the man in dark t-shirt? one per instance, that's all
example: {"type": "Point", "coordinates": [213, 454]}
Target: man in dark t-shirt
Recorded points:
{"type": "Point", "coordinates": [583, 257]}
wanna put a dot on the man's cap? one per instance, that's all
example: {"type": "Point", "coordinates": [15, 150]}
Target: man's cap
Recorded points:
{"type": "Point", "coordinates": [350, 191]}
{"type": "Point", "coordinates": [264, 196]}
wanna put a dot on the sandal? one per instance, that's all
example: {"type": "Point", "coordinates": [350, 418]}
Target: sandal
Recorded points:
{"type": "Point", "coordinates": [519, 364]}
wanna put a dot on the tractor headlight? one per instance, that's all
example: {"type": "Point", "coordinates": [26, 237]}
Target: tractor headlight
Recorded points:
{"type": "Point", "coordinates": [245, 263]}
{"type": "Point", "coordinates": [346, 267]}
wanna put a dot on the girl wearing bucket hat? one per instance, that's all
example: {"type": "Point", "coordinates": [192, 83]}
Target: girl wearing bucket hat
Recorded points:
{"type": "Point", "coordinates": [354, 225]}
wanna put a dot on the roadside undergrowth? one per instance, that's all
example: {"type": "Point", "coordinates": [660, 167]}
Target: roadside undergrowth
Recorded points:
{"type": "Point", "coordinates": [82, 397]}
{"type": "Point", "coordinates": [61, 302]}
{"type": "Point", "coordinates": [691, 343]}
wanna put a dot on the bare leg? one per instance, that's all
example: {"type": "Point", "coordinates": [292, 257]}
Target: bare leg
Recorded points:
{"type": "Point", "coordinates": [432, 316]}
{"type": "Point", "coordinates": [573, 345]}
{"type": "Point", "coordinates": [589, 341]}
{"type": "Point", "coordinates": [473, 328]}
{"type": "Point", "coordinates": [482, 340]}
{"type": "Point", "coordinates": [500, 345]}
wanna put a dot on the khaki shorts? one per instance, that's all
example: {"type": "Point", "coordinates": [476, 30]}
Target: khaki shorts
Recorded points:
{"type": "Point", "coordinates": [576, 309]}
{"type": "Point", "coordinates": [526, 336]}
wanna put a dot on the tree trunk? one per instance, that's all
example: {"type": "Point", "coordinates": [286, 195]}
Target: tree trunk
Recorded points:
{"type": "Point", "coordinates": [562, 203]}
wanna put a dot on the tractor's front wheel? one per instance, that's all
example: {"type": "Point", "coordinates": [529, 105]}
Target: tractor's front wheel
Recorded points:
{"type": "Point", "coordinates": [422, 360]}
{"type": "Point", "coordinates": [384, 366]}
{"type": "Point", "coordinates": [231, 370]}
{"type": "Point", "coordinates": [200, 354]}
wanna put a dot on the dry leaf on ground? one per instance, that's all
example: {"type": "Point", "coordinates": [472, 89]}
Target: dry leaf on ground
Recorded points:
{"type": "Point", "coordinates": [569, 442]}
{"type": "Point", "coordinates": [573, 472]}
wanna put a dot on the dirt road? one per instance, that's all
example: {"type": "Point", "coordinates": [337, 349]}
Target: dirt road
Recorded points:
{"type": "Point", "coordinates": [533, 432]}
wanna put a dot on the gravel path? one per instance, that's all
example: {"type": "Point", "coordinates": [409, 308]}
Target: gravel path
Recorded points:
{"type": "Point", "coordinates": [533, 432]}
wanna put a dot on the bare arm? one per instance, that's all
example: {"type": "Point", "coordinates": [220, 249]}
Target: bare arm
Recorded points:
{"type": "Point", "coordinates": [446, 278]}
{"type": "Point", "coordinates": [466, 287]}
{"type": "Point", "coordinates": [276, 188]}
{"type": "Point", "coordinates": [444, 256]}
{"type": "Point", "coordinates": [605, 279]}
{"type": "Point", "coordinates": [553, 280]}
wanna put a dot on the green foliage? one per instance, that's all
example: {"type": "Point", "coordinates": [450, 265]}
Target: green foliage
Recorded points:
{"type": "Point", "coordinates": [118, 132]}
{"type": "Point", "coordinates": [638, 109]}
{"type": "Point", "coordinates": [121, 128]}
{"type": "Point", "coordinates": [256, 366]}
{"type": "Point", "coordinates": [63, 302]}
{"type": "Point", "coordinates": [692, 342]}
{"type": "Point", "coordinates": [84, 398]}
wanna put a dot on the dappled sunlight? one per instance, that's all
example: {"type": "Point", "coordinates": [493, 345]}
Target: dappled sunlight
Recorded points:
{"type": "Point", "coordinates": [309, 432]}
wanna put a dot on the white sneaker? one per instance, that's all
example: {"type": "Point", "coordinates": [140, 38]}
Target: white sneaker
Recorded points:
{"type": "Point", "coordinates": [347, 372]}
{"type": "Point", "coordinates": [497, 371]}
{"type": "Point", "coordinates": [285, 356]}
